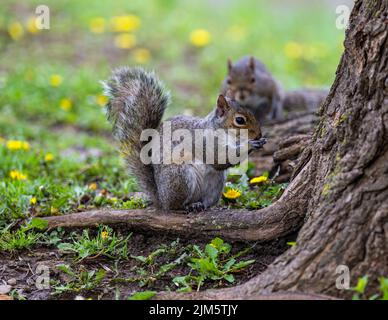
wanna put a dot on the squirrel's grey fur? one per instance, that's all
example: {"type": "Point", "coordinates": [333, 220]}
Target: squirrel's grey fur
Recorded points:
{"type": "Point", "coordinates": [265, 96]}
{"type": "Point", "coordinates": [137, 101]}
{"type": "Point", "coordinates": [253, 86]}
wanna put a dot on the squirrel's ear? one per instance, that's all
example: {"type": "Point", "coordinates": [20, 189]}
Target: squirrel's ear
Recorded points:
{"type": "Point", "coordinates": [252, 63]}
{"type": "Point", "coordinates": [230, 65]}
{"type": "Point", "coordinates": [222, 106]}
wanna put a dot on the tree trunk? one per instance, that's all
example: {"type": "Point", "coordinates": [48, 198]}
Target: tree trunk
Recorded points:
{"type": "Point", "coordinates": [346, 165]}
{"type": "Point", "coordinates": [348, 210]}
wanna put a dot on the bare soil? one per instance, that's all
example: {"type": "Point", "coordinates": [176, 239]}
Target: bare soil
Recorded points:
{"type": "Point", "coordinates": [20, 270]}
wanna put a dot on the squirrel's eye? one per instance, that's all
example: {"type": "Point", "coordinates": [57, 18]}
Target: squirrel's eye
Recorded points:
{"type": "Point", "coordinates": [240, 121]}
{"type": "Point", "coordinates": [253, 80]}
{"type": "Point", "coordinates": [229, 81]}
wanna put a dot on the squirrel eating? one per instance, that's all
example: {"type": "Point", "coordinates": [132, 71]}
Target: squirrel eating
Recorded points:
{"type": "Point", "coordinates": [137, 101]}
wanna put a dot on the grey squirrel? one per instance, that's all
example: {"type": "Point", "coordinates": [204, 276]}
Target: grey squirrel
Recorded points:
{"type": "Point", "coordinates": [137, 101]}
{"type": "Point", "coordinates": [253, 86]}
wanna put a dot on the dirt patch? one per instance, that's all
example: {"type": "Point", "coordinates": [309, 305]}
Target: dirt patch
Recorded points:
{"type": "Point", "coordinates": [21, 271]}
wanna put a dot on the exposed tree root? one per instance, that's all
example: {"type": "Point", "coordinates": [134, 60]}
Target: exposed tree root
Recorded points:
{"type": "Point", "coordinates": [269, 223]}
{"type": "Point", "coordinates": [291, 147]}
{"type": "Point", "coordinates": [263, 225]}
{"type": "Point", "coordinates": [286, 141]}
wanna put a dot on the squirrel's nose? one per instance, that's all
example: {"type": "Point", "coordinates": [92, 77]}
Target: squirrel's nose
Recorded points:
{"type": "Point", "coordinates": [242, 96]}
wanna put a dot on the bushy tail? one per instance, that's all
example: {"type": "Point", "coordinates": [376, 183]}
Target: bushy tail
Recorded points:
{"type": "Point", "coordinates": [137, 100]}
{"type": "Point", "coordinates": [304, 99]}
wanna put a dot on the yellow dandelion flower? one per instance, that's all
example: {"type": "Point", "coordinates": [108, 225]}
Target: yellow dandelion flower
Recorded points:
{"type": "Point", "coordinates": [101, 100]}
{"type": "Point", "coordinates": [17, 145]}
{"type": "Point", "coordinates": [31, 25]}
{"type": "Point", "coordinates": [293, 50]}
{"type": "Point", "coordinates": [15, 30]}
{"type": "Point", "coordinates": [48, 157]}
{"type": "Point", "coordinates": [93, 186]}
{"type": "Point", "coordinates": [17, 175]}
{"type": "Point", "coordinates": [56, 80]}
{"type": "Point", "coordinates": [200, 37]}
{"type": "Point", "coordinates": [257, 180]}
{"type": "Point", "coordinates": [33, 200]}
{"type": "Point", "coordinates": [104, 234]}
{"type": "Point", "coordinates": [236, 33]}
{"type": "Point", "coordinates": [65, 104]}
{"type": "Point", "coordinates": [97, 25]}
{"type": "Point", "coordinates": [232, 194]}
{"type": "Point", "coordinates": [54, 210]}
{"type": "Point", "coordinates": [127, 23]}
{"type": "Point", "coordinates": [125, 41]}
{"type": "Point", "coordinates": [141, 55]}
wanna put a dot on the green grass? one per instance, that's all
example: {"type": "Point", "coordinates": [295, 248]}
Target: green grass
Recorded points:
{"type": "Point", "coordinates": [105, 244]}
{"type": "Point", "coordinates": [79, 281]}
{"type": "Point", "coordinates": [18, 240]}
{"type": "Point", "coordinates": [64, 183]}
{"type": "Point", "coordinates": [213, 263]}
{"type": "Point", "coordinates": [250, 194]}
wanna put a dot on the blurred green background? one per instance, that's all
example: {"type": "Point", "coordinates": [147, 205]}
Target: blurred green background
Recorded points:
{"type": "Point", "coordinates": [55, 144]}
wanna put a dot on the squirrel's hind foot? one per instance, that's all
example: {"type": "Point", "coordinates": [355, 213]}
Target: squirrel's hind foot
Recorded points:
{"type": "Point", "coordinates": [195, 207]}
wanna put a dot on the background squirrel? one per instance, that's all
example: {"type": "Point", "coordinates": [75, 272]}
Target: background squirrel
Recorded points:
{"type": "Point", "coordinates": [137, 101]}
{"type": "Point", "coordinates": [253, 86]}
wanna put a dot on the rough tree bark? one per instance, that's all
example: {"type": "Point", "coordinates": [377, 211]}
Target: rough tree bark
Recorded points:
{"type": "Point", "coordinates": [347, 169]}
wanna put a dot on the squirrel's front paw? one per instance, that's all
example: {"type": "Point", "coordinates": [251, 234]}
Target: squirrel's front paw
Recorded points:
{"type": "Point", "coordinates": [257, 144]}
{"type": "Point", "coordinates": [195, 207]}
